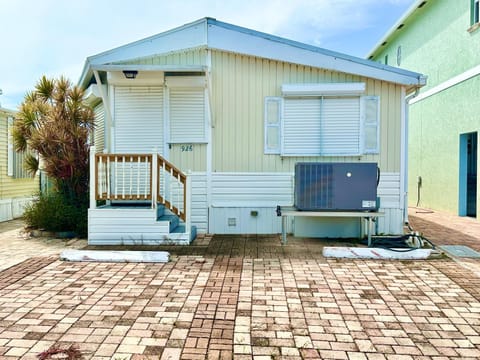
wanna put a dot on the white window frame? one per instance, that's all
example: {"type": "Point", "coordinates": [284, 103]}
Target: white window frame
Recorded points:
{"type": "Point", "coordinates": [363, 123]}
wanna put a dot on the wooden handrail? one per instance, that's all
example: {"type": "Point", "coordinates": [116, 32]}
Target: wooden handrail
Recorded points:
{"type": "Point", "coordinates": [182, 178]}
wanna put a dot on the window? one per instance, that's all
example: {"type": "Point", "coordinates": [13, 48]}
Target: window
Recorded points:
{"type": "Point", "coordinates": [399, 55]}
{"type": "Point", "coordinates": [15, 160]}
{"type": "Point", "coordinates": [386, 59]}
{"type": "Point", "coordinates": [322, 125]}
{"type": "Point", "coordinates": [474, 12]}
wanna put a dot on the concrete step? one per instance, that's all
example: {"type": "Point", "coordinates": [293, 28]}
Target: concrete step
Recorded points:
{"type": "Point", "coordinates": [172, 219]}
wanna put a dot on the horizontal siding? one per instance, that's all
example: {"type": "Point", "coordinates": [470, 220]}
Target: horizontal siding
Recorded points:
{"type": "Point", "coordinates": [236, 195]}
{"type": "Point", "coordinates": [251, 189]}
{"type": "Point", "coordinates": [389, 190]}
{"type": "Point", "coordinates": [199, 216]}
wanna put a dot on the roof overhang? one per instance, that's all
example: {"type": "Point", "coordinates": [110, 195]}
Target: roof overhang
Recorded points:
{"type": "Point", "coordinates": [418, 4]}
{"type": "Point", "coordinates": [209, 33]}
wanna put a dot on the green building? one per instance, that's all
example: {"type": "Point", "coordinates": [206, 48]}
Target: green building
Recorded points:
{"type": "Point", "coordinates": [440, 38]}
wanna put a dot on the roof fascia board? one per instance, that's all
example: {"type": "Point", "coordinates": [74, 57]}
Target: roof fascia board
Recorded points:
{"type": "Point", "coordinates": [394, 28]}
{"type": "Point", "coordinates": [230, 38]}
{"type": "Point", "coordinates": [191, 35]}
{"type": "Point", "coordinates": [148, 67]}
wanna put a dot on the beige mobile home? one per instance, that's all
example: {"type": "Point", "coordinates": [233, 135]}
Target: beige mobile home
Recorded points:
{"type": "Point", "coordinates": [17, 188]}
{"type": "Point", "coordinates": [199, 129]}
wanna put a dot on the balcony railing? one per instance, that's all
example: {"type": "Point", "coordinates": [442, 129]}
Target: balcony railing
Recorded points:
{"type": "Point", "coordinates": [138, 177]}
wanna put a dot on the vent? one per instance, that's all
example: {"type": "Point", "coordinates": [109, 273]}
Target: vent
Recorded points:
{"type": "Point", "coordinates": [336, 186]}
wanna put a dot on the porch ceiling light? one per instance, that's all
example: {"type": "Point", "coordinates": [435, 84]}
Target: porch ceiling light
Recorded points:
{"type": "Point", "coordinates": [130, 74]}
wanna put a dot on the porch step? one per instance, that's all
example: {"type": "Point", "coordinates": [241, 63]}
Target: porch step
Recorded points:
{"type": "Point", "coordinates": [172, 219]}
{"type": "Point", "coordinates": [180, 229]}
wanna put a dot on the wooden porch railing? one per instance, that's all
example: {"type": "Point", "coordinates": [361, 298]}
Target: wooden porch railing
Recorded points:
{"type": "Point", "coordinates": [138, 177]}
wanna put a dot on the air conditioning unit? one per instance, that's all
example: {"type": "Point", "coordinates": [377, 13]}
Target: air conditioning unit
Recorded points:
{"type": "Point", "coordinates": [336, 186]}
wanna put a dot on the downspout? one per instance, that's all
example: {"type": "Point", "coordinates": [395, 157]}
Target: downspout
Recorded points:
{"type": "Point", "coordinates": [404, 151]}
{"type": "Point", "coordinates": [106, 106]}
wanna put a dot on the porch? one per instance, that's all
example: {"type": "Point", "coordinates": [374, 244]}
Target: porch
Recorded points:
{"type": "Point", "coordinates": [138, 199]}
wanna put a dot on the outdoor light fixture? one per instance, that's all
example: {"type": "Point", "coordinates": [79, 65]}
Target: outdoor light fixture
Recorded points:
{"type": "Point", "coordinates": [130, 74]}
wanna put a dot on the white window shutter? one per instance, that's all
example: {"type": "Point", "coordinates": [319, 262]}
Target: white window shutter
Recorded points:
{"type": "Point", "coordinates": [187, 115]}
{"type": "Point", "coordinates": [10, 155]}
{"type": "Point", "coordinates": [371, 124]}
{"type": "Point", "coordinates": [273, 120]}
{"type": "Point", "coordinates": [301, 127]}
{"type": "Point", "coordinates": [340, 126]}
{"type": "Point", "coordinates": [138, 119]}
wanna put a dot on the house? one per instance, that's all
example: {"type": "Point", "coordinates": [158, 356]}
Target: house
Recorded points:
{"type": "Point", "coordinates": [440, 39]}
{"type": "Point", "coordinates": [17, 187]}
{"type": "Point", "coordinates": [206, 122]}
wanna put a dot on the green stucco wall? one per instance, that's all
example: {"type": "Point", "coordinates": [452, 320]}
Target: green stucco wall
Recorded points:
{"type": "Point", "coordinates": [438, 41]}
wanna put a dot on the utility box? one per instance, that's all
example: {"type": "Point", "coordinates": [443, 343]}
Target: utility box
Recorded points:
{"type": "Point", "coordinates": [336, 186]}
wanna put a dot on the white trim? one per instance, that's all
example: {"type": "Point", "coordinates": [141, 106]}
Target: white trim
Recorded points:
{"type": "Point", "coordinates": [323, 89]}
{"type": "Point", "coordinates": [403, 154]}
{"type": "Point", "coordinates": [106, 101]}
{"type": "Point", "coordinates": [147, 68]}
{"type": "Point", "coordinates": [447, 84]}
{"type": "Point", "coordinates": [209, 33]}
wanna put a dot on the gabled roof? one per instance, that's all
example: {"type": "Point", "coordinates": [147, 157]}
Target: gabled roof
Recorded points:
{"type": "Point", "coordinates": [208, 33]}
{"type": "Point", "coordinates": [411, 11]}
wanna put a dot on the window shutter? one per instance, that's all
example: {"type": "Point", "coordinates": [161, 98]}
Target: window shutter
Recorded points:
{"type": "Point", "coordinates": [273, 118]}
{"type": "Point", "coordinates": [10, 155]}
{"type": "Point", "coordinates": [187, 115]}
{"type": "Point", "coordinates": [340, 126]}
{"type": "Point", "coordinates": [301, 127]}
{"type": "Point", "coordinates": [138, 119]}
{"type": "Point", "coordinates": [371, 124]}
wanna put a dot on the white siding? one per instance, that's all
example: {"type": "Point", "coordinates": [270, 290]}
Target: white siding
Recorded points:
{"type": "Point", "coordinates": [199, 216]}
{"type": "Point", "coordinates": [245, 203]}
{"type": "Point", "coordinates": [138, 119]}
{"type": "Point", "coordinates": [235, 196]}
{"type": "Point", "coordinates": [252, 189]}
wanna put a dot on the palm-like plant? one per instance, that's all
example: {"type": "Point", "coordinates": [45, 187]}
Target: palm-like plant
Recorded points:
{"type": "Point", "coordinates": [54, 122]}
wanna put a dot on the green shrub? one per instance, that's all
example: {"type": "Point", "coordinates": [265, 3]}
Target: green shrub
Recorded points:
{"type": "Point", "coordinates": [53, 212]}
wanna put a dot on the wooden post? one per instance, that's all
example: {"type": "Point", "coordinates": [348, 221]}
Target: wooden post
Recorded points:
{"type": "Point", "coordinates": [188, 202]}
{"type": "Point", "coordinates": [155, 177]}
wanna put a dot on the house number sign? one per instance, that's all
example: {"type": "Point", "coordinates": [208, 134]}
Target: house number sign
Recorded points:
{"type": "Point", "coordinates": [186, 148]}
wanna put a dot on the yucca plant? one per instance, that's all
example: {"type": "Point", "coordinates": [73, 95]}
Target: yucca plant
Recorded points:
{"type": "Point", "coordinates": [54, 122]}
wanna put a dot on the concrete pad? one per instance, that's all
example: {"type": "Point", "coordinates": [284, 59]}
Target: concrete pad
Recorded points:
{"type": "Point", "coordinates": [375, 253]}
{"type": "Point", "coordinates": [115, 256]}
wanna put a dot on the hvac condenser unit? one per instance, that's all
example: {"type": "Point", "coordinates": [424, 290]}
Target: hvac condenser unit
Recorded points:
{"type": "Point", "coordinates": [336, 186]}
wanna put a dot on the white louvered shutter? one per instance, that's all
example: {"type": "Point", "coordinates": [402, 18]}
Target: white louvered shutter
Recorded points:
{"type": "Point", "coordinates": [340, 126]}
{"type": "Point", "coordinates": [371, 124]}
{"type": "Point", "coordinates": [301, 127]}
{"type": "Point", "coordinates": [99, 130]}
{"type": "Point", "coordinates": [138, 119]}
{"type": "Point", "coordinates": [10, 149]}
{"type": "Point", "coordinates": [273, 119]}
{"type": "Point", "coordinates": [187, 115]}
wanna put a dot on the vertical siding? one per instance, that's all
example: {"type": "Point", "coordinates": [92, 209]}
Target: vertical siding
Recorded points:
{"type": "Point", "coordinates": [240, 84]}
{"type": "Point", "coordinates": [9, 186]}
{"type": "Point", "coordinates": [189, 57]}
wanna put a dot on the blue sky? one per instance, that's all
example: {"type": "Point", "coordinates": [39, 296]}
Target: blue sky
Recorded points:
{"type": "Point", "coordinates": [54, 37]}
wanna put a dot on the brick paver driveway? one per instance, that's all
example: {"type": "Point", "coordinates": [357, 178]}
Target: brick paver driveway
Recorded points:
{"type": "Point", "coordinates": [242, 298]}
